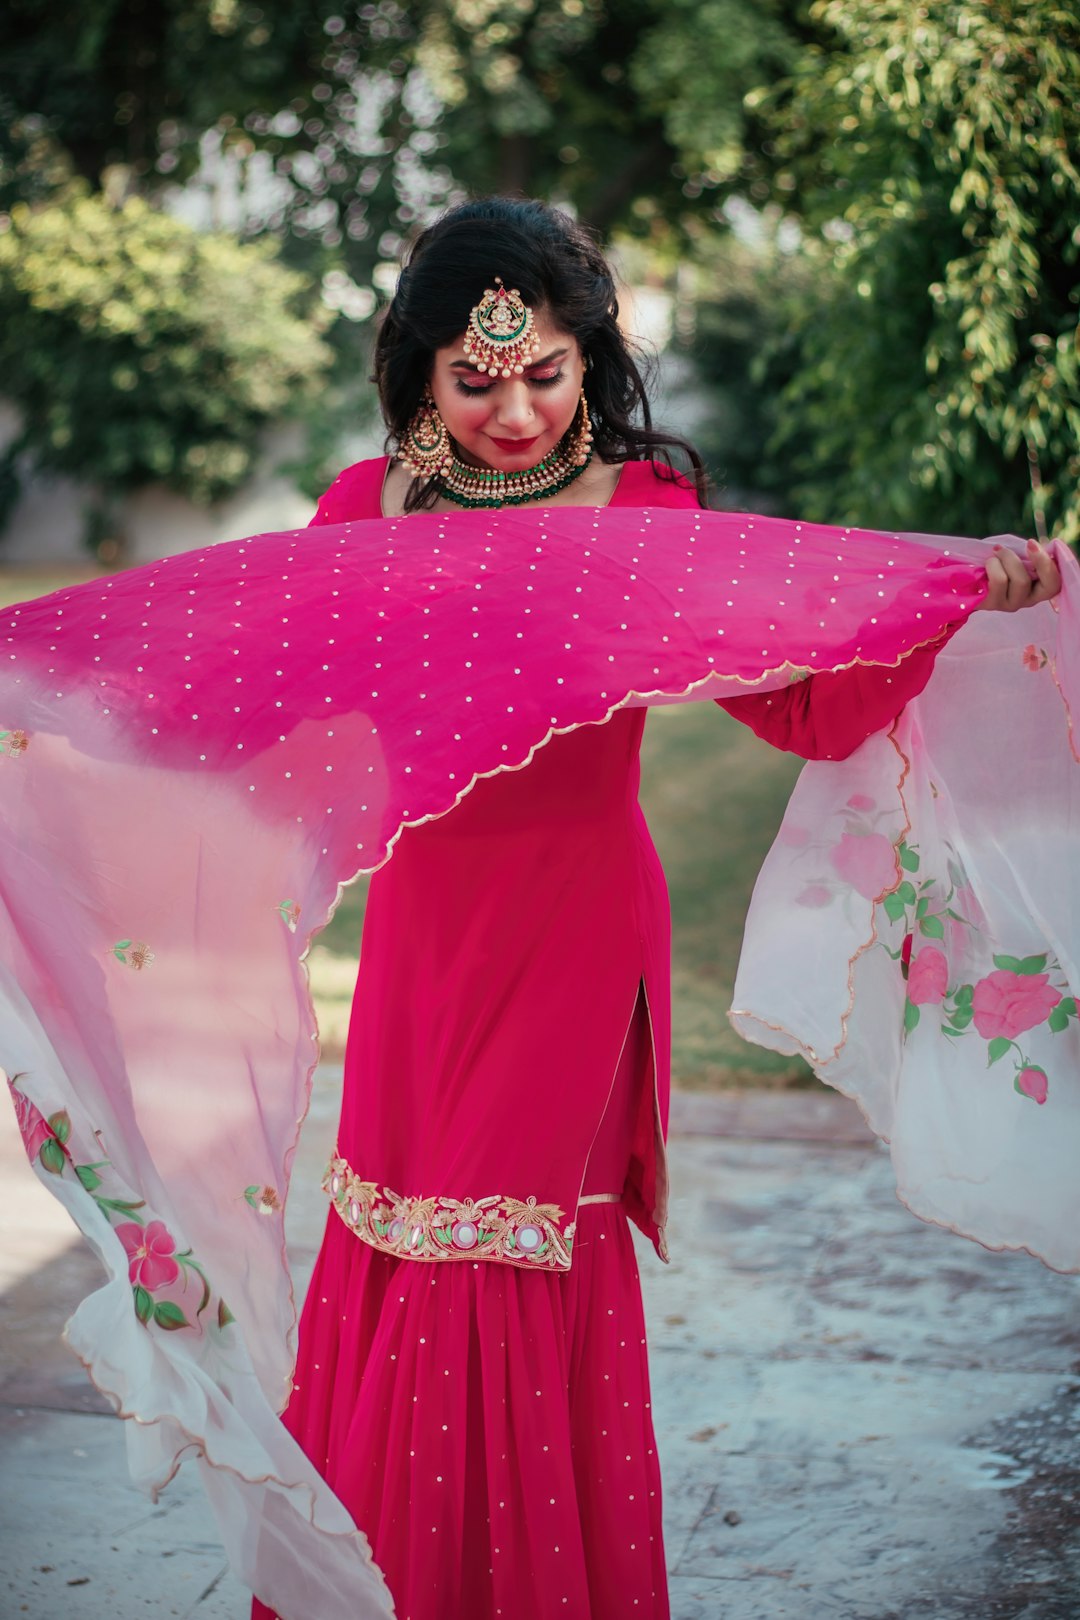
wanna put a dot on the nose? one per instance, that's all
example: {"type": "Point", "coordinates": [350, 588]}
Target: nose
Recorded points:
{"type": "Point", "coordinates": [514, 410]}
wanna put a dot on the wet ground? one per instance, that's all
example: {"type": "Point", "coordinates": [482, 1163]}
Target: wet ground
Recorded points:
{"type": "Point", "coordinates": [860, 1417]}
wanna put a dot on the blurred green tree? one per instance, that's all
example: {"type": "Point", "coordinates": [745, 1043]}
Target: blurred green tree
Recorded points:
{"type": "Point", "coordinates": [139, 350]}
{"type": "Point", "coordinates": [929, 151]}
{"type": "Point", "coordinates": [370, 112]}
{"type": "Point", "coordinates": [747, 298]}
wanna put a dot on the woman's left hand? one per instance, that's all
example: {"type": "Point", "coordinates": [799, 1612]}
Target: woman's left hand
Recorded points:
{"type": "Point", "coordinates": [1014, 583]}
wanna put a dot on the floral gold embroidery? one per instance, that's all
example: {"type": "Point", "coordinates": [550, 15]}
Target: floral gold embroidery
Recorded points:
{"type": "Point", "coordinates": [14, 743]}
{"type": "Point", "coordinates": [289, 912]}
{"type": "Point", "coordinates": [137, 955]}
{"type": "Point", "coordinates": [498, 1227]}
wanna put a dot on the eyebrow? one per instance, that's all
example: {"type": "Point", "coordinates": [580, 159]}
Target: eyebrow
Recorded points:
{"type": "Point", "coordinates": [546, 360]}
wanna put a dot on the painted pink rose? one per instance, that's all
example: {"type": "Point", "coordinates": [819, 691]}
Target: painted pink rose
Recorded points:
{"type": "Point", "coordinates": [1007, 1003]}
{"type": "Point", "coordinates": [1034, 657]}
{"type": "Point", "coordinates": [814, 896]}
{"type": "Point", "coordinates": [150, 1250]}
{"type": "Point", "coordinates": [1032, 1082]}
{"type": "Point", "coordinates": [928, 977]}
{"type": "Point", "coordinates": [33, 1126]}
{"type": "Point", "coordinates": [867, 861]}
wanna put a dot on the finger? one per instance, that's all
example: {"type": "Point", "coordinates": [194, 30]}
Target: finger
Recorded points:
{"type": "Point", "coordinates": [996, 585]}
{"type": "Point", "coordinates": [1018, 582]}
{"type": "Point", "coordinates": [1047, 574]}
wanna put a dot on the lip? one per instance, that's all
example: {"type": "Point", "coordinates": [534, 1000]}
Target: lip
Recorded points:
{"type": "Point", "coordinates": [515, 445]}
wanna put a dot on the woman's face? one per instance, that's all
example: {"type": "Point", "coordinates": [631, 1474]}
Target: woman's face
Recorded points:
{"type": "Point", "coordinates": [509, 423]}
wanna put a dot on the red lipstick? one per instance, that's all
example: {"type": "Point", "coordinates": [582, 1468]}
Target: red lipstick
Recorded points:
{"type": "Point", "coordinates": [514, 445]}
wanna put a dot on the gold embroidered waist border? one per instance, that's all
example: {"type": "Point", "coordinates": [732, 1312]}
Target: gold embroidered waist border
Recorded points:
{"type": "Point", "coordinates": [518, 1230]}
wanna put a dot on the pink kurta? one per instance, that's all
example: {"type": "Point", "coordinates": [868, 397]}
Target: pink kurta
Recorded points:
{"type": "Point", "coordinates": [505, 1100]}
{"type": "Point", "coordinates": [504, 947]}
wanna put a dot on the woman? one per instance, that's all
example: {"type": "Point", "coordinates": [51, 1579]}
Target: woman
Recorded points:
{"type": "Point", "coordinates": [195, 756]}
{"type": "Point", "coordinates": [507, 1068]}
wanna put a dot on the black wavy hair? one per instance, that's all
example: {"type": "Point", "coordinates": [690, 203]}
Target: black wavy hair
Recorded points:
{"type": "Point", "coordinates": [556, 264]}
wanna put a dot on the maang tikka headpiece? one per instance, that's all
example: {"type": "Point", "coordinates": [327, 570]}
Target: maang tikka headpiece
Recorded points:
{"type": "Point", "coordinates": [500, 338]}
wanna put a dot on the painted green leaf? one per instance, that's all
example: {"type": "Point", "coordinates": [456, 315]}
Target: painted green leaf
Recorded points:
{"type": "Point", "coordinates": [909, 860]}
{"type": "Point", "coordinates": [947, 1029]}
{"type": "Point", "coordinates": [205, 1300]}
{"type": "Point", "coordinates": [88, 1176]}
{"type": "Point", "coordinates": [60, 1124]}
{"type": "Point", "coordinates": [965, 994]}
{"type": "Point", "coordinates": [923, 906]}
{"type": "Point", "coordinates": [906, 893]}
{"type": "Point", "coordinates": [997, 1049]}
{"type": "Point", "coordinates": [51, 1157]}
{"type": "Point", "coordinates": [169, 1316]}
{"type": "Point", "coordinates": [123, 945]}
{"type": "Point", "coordinates": [252, 1195]}
{"type": "Point", "coordinates": [144, 1305]}
{"type": "Point", "coordinates": [1068, 1006]}
{"type": "Point", "coordinates": [911, 1016]}
{"type": "Point", "coordinates": [894, 907]}
{"type": "Point", "coordinates": [962, 1017]}
{"type": "Point", "coordinates": [1058, 1020]}
{"type": "Point", "coordinates": [1021, 964]}
{"type": "Point", "coordinates": [128, 1208]}
{"type": "Point", "coordinates": [932, 927]}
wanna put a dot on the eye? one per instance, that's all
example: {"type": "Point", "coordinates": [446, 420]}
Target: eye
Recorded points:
{"type": "Point", "coordinates": [547, 380]}
{"type": "Point", "coordinates": [471, 387]}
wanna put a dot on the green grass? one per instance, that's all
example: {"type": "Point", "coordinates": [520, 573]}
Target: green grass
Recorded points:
{"type": "Point", "coordinates": [713, 795]}
{"type": "Point", "coordinates": [23, 584]}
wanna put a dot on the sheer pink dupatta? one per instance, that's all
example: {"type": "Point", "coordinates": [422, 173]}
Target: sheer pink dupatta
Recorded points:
{"type": "Point", "coordinates": [197, 754]}
{"type": "Point", "coordinates": [915, 932]}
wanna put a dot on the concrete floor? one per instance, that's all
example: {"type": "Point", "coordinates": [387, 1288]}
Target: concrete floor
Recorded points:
{"type": "Point", "coordinates": [860, 1417]}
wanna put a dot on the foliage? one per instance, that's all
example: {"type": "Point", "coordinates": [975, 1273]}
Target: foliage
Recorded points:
{"type": "Point", "coordinates": [930, 153]}
{"type": "Point", "coordinates": [140, 350]}
{"type": "Point", "coordinates": [740, 329]}
{"type": "Point", "coordinates": [371, 114]}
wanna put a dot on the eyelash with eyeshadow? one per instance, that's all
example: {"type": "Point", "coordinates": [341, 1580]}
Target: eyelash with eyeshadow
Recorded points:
{"type": "Point", "coordinates": [482, 388]}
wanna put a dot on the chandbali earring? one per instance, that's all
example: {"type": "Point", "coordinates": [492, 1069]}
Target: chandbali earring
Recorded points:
{"type": "Point", "coordinates": [579, 443]}
{"type": "Point", "coordinates": [426, 448]}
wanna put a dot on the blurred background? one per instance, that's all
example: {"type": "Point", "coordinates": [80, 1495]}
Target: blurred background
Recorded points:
{"type": "Point", "coordinates": [848, 232]}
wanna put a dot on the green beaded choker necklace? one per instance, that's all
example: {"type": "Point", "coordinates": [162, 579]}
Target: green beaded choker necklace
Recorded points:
{"type": "Point", "coordinates": [484, 486]}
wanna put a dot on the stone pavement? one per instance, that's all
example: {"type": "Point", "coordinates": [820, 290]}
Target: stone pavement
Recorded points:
{"type": "Point", "coordinates": [860, 1417]}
